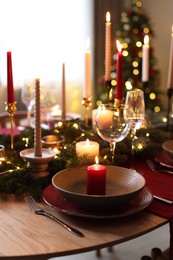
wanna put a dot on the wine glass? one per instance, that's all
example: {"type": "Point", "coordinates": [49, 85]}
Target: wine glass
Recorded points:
{"type": "Point", "coordinates": [111, 124]}
{"type": "Point", "coordinates": [135, 113]}
{"type": "Point", "coordinates": [27, 97]}
{"type": "Point", "coordinates": [49, 102]}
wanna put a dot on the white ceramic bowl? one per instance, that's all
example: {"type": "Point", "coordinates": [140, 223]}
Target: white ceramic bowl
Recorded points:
{"type": "Point", "coordinates": [168, 147]}
{"type": "Point", "coordinates": [122, 185]}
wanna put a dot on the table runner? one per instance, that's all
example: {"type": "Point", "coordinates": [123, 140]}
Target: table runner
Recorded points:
{"type": "Point", "coordinates": [7, 131]}
{"type": "Point", "coordinates": [160, 184]}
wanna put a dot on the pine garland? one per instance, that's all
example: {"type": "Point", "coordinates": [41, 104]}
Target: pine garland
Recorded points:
{"type": "Point", "coordinates": [16, 179]}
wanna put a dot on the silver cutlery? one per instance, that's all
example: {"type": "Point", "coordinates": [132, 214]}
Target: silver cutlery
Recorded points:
{"type": "Point", "coordinates": [39, 211]}
{"type": "Point", "coordinates": [156, 168]}
{"type": "Point", "coordinates": [163, 199]}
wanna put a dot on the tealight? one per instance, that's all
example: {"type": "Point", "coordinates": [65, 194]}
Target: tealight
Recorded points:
{"type": "Point", "coordinates": [89, 148]}
{"type": "Point", "coordinates": [2, 154]}
{"type": "Point", "coordinates": [52, 142]}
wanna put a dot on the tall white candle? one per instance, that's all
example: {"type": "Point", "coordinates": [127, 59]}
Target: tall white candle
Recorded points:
{"type": "Point", "coordinates": [63, 93]}
{"type": "Point", "coordinates": [108, 48]}
{"type": "Point", "coordinates": [87, 81]}
{"type": "Point", "coordinates": [37, 130]}
{"type": "Point", "coordinates": [170, 71]}
{"type": "Point", "coordinates": [145, 59]}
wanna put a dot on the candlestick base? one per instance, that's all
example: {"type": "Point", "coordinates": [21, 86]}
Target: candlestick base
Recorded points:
{"type": "Point", "coordinates": [38, 165]}
{"type": "Point", "coordinates": [87, 102]}
{"type": "Point", "coordinates": [169, 95]}
{"type": "Point", "coordinates": [11, 108]}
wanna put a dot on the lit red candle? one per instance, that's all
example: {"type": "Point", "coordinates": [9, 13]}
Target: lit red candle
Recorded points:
{"type": "Point", "coordinates": [108, 48]}
{"type": "Point", "coordinates": [96, 179]}
{"type": "Point", "coordinates": [119, 86]}
{"type": "Point", "coordinates": [145, 59]}
{"type": "Point", "coordinates": [10, 88]}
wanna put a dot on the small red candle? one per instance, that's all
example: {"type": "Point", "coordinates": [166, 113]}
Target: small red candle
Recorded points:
{"type": "Point", "coordinates": [119, 86]}
{"type": "Point", "coordinates": [10, 88]}
{"type": "Point", "coordinates": [96, 179]}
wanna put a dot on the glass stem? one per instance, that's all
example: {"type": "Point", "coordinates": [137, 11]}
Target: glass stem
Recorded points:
{"type": "Point", "coordinates": [112, 149]}
{"type": "Point", "coordinates": [133, 133]}
{"type": "Point", "coordinates": [28, 116]}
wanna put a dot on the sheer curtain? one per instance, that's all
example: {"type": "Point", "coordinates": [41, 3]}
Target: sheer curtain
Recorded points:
{"type": "Point", "coordinates": [41, 34]}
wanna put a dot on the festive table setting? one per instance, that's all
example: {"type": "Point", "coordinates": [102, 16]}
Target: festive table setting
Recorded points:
{"type": "Point", "coordinates": [92, 168]}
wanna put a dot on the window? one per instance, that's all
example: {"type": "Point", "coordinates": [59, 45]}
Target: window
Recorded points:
{"type": "Point", "coordinates": [41, 34]}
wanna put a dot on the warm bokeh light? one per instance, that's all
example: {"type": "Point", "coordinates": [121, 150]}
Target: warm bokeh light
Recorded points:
{"type": "Point", "coordinates": [152, 95]}
{"type": "Point", "coordinates": [146, 30]}
{"type": "Point", "coordinates": [157, 109]}
{"type": "Point", "coordinates": [125, 53]}
{"type": "Point", "coordinates": [135, 72]}
{"type": "Point", "coordinates": [128, 85]}
{"type": "Point", "coordinates": [138, 44]}
{"type": "Point", "coordinates": [135, 64]}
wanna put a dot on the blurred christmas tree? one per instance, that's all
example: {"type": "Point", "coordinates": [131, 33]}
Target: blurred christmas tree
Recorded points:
{"type": "Point", "coordinates": [133, 27]}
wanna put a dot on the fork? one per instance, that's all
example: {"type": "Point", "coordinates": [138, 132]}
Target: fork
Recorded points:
{"type": "Point", "coordinates": [39, 211]}
{"type": "Point", "coordinates": [154, 168]}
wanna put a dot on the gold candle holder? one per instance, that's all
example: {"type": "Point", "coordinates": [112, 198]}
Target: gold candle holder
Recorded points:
{"type": "Point", "coordinates": [11, 108]}
{"type": "Point", "coordinates": [87, 102]}
{"type": "Point", "coordinates": [118, 102]}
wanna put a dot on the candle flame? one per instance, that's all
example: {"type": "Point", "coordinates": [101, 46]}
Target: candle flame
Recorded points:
{"type": "Point", "coordinates": [87, 142]}
{"type": "Point", "coordinates": [119, 46]}
{"type": "Point", "coordinates": [146, 39]}
{"type": "Point", "coordinates": [108, 17]}
{"type": "Point", "coordinates": [96, 159]}
{"type": "Point", "coordinates": [87, 43]}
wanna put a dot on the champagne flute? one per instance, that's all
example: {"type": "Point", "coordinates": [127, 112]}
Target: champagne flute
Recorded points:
{"type": "Point", "coordinates": [135, 113]}
{"type": "Point", "coordinates": [111, 124]}
{"type": "Point", "coordinates": [27, 97]}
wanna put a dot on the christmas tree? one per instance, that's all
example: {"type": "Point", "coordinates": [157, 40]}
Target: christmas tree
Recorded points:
{"type": "Point", "coordinates": [134, 25]}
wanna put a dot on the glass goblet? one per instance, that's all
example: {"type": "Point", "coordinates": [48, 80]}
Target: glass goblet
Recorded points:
{"type": "Point", "coordinates": [135, 113]}
{"type": "Point", "coordinates": [111, 124]}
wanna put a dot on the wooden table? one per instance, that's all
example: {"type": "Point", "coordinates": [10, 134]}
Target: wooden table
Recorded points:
{"type": "Point", "coordinates": [25, 235]}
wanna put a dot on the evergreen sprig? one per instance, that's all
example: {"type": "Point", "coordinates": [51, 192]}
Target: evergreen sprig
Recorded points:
{"type": "Point", "coordinates": [16, 179]}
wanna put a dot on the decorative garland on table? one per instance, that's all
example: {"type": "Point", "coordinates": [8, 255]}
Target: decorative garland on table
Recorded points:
{"type": "Point", "coordinates": [16, 179]}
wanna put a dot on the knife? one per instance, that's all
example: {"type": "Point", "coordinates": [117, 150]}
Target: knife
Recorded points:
{"type": "Point", "coordinates": [163, 199]}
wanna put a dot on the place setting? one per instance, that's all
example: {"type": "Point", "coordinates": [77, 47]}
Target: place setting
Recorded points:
{"type": "Point", "coordinates": [78, 192]}
{"type": "Point", "coordinates": [165, 156]}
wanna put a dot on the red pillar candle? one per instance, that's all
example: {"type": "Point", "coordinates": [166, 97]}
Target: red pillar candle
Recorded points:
{"type": "Point", "coordinates": [119, 86]}
{"type": "Point", "coordinates": [96, 179]}
{"type": "Point", "coordinates": [10, 88]}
